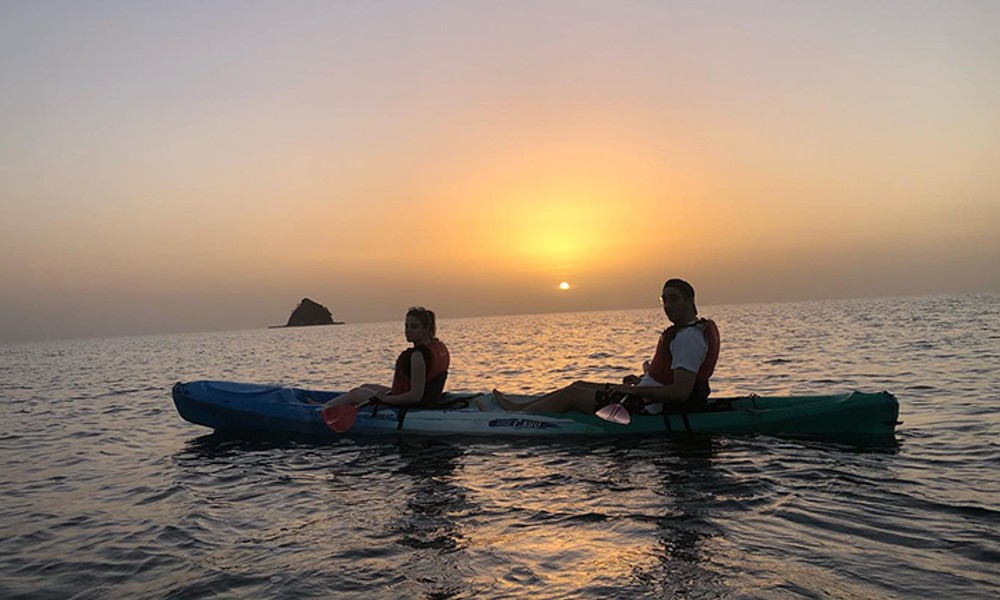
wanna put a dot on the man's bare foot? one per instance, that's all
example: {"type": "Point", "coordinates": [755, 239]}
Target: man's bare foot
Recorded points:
{"type": "Point", "coordinates": [504, 402]}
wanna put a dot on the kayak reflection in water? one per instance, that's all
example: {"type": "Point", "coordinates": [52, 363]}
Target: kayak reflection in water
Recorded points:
{"type": "Point", "coordinates": [420, 372]}
{"type": "Point", "coordinates": [678, 373]}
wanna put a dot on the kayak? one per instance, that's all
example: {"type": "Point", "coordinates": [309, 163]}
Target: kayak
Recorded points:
{"type": "Point", "coordinates": [274, 410]}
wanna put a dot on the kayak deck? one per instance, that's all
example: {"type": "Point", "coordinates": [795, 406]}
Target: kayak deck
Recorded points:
{"type": "Point", "coordinates": [263, 409]}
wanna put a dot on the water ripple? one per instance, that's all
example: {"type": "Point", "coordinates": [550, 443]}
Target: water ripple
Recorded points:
{"type": "Point", "coordinates": [115, 496]}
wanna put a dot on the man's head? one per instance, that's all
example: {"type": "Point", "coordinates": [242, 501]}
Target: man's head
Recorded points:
{"type": "Point", "coordinates": [678, 301]}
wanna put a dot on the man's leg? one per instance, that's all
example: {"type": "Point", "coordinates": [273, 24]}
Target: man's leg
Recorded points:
{"type": "Point", "coordinates": [579, 396]}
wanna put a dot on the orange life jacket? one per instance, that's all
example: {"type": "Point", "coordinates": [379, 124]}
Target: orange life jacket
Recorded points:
{"type": "Point", "coordinates": [436, 358]}
{"type": "Point", "coordinates": [659, 367]}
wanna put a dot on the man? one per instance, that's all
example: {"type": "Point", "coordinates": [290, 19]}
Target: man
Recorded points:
{"type": "Point", "coordinates": [678, 373]}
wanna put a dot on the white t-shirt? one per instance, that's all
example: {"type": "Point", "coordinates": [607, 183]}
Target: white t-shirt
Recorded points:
{"type": "Point", "coordinates": [688, 350]}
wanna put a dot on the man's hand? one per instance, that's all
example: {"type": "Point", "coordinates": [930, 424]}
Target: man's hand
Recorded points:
{"type": "Point", "coordinates": [631, 380]}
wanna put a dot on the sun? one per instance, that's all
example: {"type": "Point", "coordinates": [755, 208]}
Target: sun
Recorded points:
{"type": "Point", "coordinates": [564, 286]}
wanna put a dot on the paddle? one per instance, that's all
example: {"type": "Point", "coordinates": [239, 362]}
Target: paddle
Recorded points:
{"type": "Point", "coordinates": [341, 417]}
{"type": "Point", "coordinates": [615, 412]}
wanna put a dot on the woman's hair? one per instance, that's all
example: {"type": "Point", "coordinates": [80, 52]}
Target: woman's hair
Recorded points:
{"type": "Point", "coordinates": [426, 318]}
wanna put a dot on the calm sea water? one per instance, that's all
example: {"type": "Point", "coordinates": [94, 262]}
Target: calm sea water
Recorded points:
{"type": "Point", "coordinates": [106, 493]}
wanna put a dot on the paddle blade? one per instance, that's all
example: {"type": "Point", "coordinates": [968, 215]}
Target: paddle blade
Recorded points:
{"type": "Point", "coordinates": [340, 418]}
{"type": "Point", "coordinates": [615, 413]}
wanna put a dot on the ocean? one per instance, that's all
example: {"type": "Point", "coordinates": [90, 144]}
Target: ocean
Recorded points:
{"type": "Point", "coordinates": [105, 492]}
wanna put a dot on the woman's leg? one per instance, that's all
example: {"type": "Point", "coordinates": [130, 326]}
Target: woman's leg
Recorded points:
{"type": "Point", "coordinates": [358, 395]}
{"type": "Point", "coordinates": [375, 388]}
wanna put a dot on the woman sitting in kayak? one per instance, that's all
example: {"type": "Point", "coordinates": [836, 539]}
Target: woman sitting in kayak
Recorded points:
{"type": "Point", "coordinates": [678, 373]}
{"type": "Point", "coordinates": [420, 372]}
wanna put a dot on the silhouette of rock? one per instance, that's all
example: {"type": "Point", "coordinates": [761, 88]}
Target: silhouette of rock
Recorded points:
{"type": "Point", "coordinates": [311, 313]}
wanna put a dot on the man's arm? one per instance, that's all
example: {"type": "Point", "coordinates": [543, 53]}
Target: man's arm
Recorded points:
{"type": "Point", "coordinates": [678, 391]}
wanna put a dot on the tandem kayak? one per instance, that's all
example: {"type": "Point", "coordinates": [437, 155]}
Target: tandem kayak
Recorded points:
{"type": "Point", "coordinates": [273, 410]}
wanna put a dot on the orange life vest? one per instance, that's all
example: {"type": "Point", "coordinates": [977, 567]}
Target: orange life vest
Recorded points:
{"type": "Point", "coordinates": [659, 367]}
{"type": "Point", "coordinates": [436, 358]}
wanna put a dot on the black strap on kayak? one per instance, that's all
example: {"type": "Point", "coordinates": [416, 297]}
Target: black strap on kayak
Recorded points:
{"type": "Point", "coordinates": [400, 416]}
{"type": "Point", "coordinates": [684, 418]}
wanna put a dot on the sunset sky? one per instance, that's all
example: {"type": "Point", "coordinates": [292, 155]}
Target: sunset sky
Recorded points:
{"type": "Point", "coordinates": [187, 166]}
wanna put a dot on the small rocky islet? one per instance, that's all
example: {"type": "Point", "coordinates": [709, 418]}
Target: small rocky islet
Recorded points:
{"type": "Point", "coordinates": [308, 313]}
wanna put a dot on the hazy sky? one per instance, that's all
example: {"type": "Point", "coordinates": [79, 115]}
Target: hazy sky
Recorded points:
{"type": "Point", "coordinates": [183, 166]}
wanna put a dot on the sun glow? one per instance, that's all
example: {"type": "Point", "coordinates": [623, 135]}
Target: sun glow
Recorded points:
{"type": "Point", "coordinates": [564, 285]}
{"type": "Point", "coordinates": [560, 227]}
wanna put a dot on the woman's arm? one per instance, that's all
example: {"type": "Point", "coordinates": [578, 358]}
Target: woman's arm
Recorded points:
{"type": "Point", "coordinates": [418, 379]}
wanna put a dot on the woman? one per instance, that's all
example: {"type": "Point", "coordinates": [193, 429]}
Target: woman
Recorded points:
{"type": "Point", "coordinates": [420, 372]}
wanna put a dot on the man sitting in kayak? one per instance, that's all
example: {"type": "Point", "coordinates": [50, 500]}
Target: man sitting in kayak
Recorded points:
{"type": "Point", "coordinates": [678, 373]}
{"type": "Point", "coordinates": [420, 372]}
